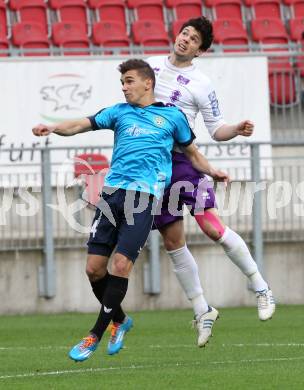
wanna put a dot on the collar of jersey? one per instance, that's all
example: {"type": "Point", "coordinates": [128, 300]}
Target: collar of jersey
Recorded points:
{"type": "Point", "coordinates": [155, 104]}
{"type": "Point", "coordinates": [176, 68]}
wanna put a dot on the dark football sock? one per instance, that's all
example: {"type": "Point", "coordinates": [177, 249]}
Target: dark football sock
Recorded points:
{"type": "Point", "coordinates": [119, 315]}
{"type": "Point", "coordinates": [113, 296]}
{"type": "Point", "coordinates": [99, 286]}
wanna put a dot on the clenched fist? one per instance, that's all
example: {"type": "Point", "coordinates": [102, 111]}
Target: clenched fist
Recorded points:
{"type": "Point", "coordinates": [42, 130]}
{"type": "Point", "coordinates": [218, 175]}
{"type": "Point", "coordinates": [245, 128]}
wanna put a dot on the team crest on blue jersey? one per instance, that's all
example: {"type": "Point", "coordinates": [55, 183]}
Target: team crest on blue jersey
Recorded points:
{"type": "Point", "coordinates": [159, 121]}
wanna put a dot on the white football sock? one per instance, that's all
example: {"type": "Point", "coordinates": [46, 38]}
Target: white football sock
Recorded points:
{"type": "Point", "coordinates": [186, 271]}
{"type": "Point", "coordinates": [257, 282]}
{"type": "Point", "coordinates": [238, 252]}
{"type": "Point", "coordinates": [200, 306]}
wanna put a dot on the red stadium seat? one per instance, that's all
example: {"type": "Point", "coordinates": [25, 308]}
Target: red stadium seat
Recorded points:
{"type": "Point", "coordinates": [90, 163]}
{"type": "Point", "coordinates": [225, 9]}
{"type": "Point", "coordinates": [31, 11]}
{"type": "Point", "coordinates": [3, 41]}
{"type": "Point", "coordinates": [71, 35]}
{"type": "Point", "coordinates": [109, 10]}
{"type": "Point", "coordinates": [297, 29]}
{"type": "Point", "coordinates": [146, 33]}
{"type": "Point", "coordinates": [93, 188]}
{"type": "Point", "coordinates": [185, 9]}
{"type": "Point", "coordinates": [296, 7]}
{"type": "Point", "coordinates": [70, 10]}
{"type": "Point", "coordinates": [300, 65]}
{"type": "Point", "coordinates": [110, 34]}
{"type": "Point", "coordinates": [282, 86]}
{"type": "Point", "coordinates": [230, 32]}
{"type": "Point", "coordinates": [264, 8]}
{"type": "Point", "coordinates": [281, 74]}
{"type": "Point", "coordinates": [147, 9]}
{"type": "Point", "coordinates": [271, 32]}
{"type": "Point", "coordinates": [91, 167]}
{"type": "Point", "coordinates": [3, 21]}
{"type": "Point", "coordinates": [297, 34]}
{"type": "Point", "coordinates": [30, 36]}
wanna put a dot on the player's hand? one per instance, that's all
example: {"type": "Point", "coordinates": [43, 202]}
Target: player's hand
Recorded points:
{"type": "Point", "coordinates": [245, 128]}
{"type": "Point", "coordinates": [42, 130]}
{"type": "Point", "coordinates": [218, 175]}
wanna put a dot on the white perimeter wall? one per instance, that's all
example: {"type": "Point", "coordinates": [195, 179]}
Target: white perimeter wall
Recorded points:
{"type": "Point", "coordinates": [223, 283]}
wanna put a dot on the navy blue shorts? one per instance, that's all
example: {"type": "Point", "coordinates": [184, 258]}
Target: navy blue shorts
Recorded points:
{"type": "Point", "coordinates": [117, 222]}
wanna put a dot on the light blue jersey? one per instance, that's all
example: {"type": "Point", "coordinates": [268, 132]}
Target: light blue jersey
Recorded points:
{"type": "Point", "coordinates": [143, 141]}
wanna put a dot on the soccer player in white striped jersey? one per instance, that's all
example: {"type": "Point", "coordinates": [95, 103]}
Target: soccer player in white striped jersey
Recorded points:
{"type": "Point", "coordinates": [179, 82]}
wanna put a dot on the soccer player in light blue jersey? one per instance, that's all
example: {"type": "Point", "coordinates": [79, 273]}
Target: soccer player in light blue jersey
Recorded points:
{"type": "Point", "coordinates": [144, 134]}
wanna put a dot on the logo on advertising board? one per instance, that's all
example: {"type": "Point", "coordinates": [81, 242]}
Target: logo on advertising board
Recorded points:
{"type": "Point", "coordinates": [65, 96]}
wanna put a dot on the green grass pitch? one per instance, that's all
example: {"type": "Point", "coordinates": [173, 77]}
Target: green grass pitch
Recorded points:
{"type": "Point", "coordinates": [160, 353]}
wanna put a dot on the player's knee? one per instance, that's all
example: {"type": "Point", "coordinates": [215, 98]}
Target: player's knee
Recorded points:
{"type": "Point", "coordinates": [95, 271]}
{"type": "Point", "coordinates": [213, 233]}
{"type": "Point", "coordinates": [121, 265]}
{"type": "Point", "coordinates": [173, 243]}
{"type": "Point", "coordinates": [173, 239]}
{"type": "Point", "coordinates": [173, 235]}
{"type": "Point", "coordinates": [92, 273]}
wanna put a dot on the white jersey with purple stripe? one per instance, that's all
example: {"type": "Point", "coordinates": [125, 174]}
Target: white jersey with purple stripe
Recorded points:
{"type": "Point", "coordinates": [189, 89]}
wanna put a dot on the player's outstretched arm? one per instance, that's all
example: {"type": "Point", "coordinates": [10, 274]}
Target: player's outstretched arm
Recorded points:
{"type": "Point", "coordinates": [200, 163]}
{"type": "Point", "coordinates": [227, 132]}
{"type": "Point", "coordinates": [66, 128]}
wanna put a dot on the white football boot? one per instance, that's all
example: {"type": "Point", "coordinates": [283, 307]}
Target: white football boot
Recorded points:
{"type": "Point", "coordinates": [266, 304]}
{"type": "Point", "coordinates": [204, 325]}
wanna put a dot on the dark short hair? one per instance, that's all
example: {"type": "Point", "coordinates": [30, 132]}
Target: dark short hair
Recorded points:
{"type": "Point", "coordinates": [142, 67]}
{"type": "Point", "coordinates": [204, 27]}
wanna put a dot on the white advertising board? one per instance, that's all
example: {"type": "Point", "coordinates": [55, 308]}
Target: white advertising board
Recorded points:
{"type": "Point", "coordinates": [50, 90]}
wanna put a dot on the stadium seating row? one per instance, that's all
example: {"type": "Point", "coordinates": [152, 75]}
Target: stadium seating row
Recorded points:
{"type": "Point", "coordinates": [267, 31]}
{"type": "Point", "coordinates": [31, 25]}
{"type": "Point", "coordinates": [76, 27]}
{"type": "Point", "coordinates": [128, 11]}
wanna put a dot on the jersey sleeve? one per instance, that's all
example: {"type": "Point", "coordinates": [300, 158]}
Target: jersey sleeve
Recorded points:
{"type": "Point", "coordinates": [183, 135]}
{"type": "Point", "coordinates": [104, 119]}
{"type": "Point", "coordinates": [152, 60]}
{"type": "Point", "coordinates": [209, 108]}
